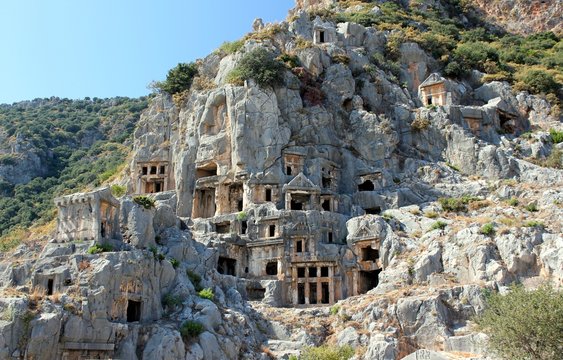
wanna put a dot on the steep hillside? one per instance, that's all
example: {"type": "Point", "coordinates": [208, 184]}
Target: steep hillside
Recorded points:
{"type": "Point", "coordinates": [49, 147]}
{"type": "Point", "coordinates": [355, 179]}
{"type": "Point", "coordinates": [523, 17]}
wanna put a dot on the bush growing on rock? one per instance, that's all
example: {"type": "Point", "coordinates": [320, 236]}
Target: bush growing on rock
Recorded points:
{"type": "Point", "coordinates": [118, 190]}
{"type": "Point", "coordinates": [259, 65]}
{"type": "Point", "coordinates": [556, 136]}
{"type": "Point", "coordinates": [231, 47]}
{"type": "Point", "coordinates": [179, 79]}
{"type": "Point", "coordinates": [206, 293]}
{"type": "Point", "coordinates": [144, 201]}
{"type": "Point", "coordinates": [195, 279]}
{"type": "Point", "coordinates": [439, 225]}
{"type": "Point", "coordinates": [191, 329]}
{"type": "Point", "coordinates": [327, 352]}
{"type": "Point", "coordinates": [525, 324]}
{"type": "Point", "coordinates": [537, 82]}
{"type": "Point", "coordinates": [100, 248]}
{"type": "Point", "coordinates": [488, 229]}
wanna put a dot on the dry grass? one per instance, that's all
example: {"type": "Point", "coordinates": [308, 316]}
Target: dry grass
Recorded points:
{"type": "Point", "coordinates": [268, 352]}
{"type": "Point", "coordinates": [83, 265]}
{"type": "Point", "coordinates": [479, 204]}
{"type": "Point", "coordinates": [10, 292]}
{"type": "Point", "coordinates": [36, 296]}
{"type": "Point", "coordinates": [56, 297]}
{"type": "Point", "coordinates": [506, 221]}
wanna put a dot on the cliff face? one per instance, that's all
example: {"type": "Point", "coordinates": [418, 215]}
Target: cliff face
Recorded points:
{"type": "Point", "coordinates": [309, 210]}
{"type": "Point", "coordinates": [523, 16]}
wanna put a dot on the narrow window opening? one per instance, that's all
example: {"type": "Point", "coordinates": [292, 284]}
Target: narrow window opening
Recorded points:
{"type": "Point", "coordinates": [153, 170]}
{"type": "Point", "coordinates": [50, 283]}
{"type": "Point", "coordinates": [325, 295]}
{"type": "Point", "coordinates": [312, 293]}
{"type": "Point", "coordinates": [321, 36]}
{"type": "Point", "coordinates": [301, 293]}
{"type": "Point", "coordinates": [366, 186]}
{"type": "Point", "coordinates": [157, 187]}
{"type": "Point", "coordinates": [326, 182]}
{"type": "Point", "coordinates": [288, 170]}
{"type": "Point", "coordinates": [272, 230]}
{"type": "Point", "coordinates": [240, 205]}
{"type": "Point", "coordinates": [243, 227]}
{"type": "Point", "coordinates": [326, 205]}
{"type": "Point", "coordinates": [301, 272]}
{"type": "Point", "coordinates": [312, 272]}
{"type": "Point", "coordinates": [268, 194]}
{"type": "Point", "coordinates": [162, 170]}
{"type": "Point", "coordinates": [299, 246]}
{"type": "Point", "coordinates": [133, 311]}
{"type": "Point", "coordinates": [272, 268]}
{"type": "Point", "coordinates": [103, 229]}
{"type": "Point", "coordinates": [330, 239]}
{"type": "Point", "coordinates": [324, 271]}
{"type": "Point", "coordinates": [145, 170]}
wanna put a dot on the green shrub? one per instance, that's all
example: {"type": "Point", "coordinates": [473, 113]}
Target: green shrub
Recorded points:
{"type": "Point", "coordinates": [170, 300]}
{"type": "Point", "coordinates": [241, 216]}
{"type": "Point", "coordinates": [341, 59]}
{"type": "Point", "coordinates": [100, 248]}
{"type": "Point", "coordinates": [439, 225]}
{"type": "Point", "coordinates": [487, 229]}
{"type": "Point", "coordinates": [554, 160]}
{"type": "Point", "coordinates": [334, 309]}
{"type": "Point", "coordinates": [175, 263]}
{"type": "Point", "coordinates": [457, 204]}
{"type": "Point", "coordinates": [195, 279]}
{"type": "Point", "coordinates": [420, 124]}
{"type": "Point", "coordinates": [513, 202]}
{"type": "Point", "coordinates": [260, 65]}
{"type": "Point", "coordinates": [231, 47]}
{"type": "Point", "coordinates": [206, 293]}
{"type": "Point", "coordinates": [291, 61]}
{"type": "Point", "coordinates": [524, 324]}
{"type": "Point", "coordinates": [531, 207]}
{"type": "Point", "coordinates": [144, 201]}
{"type": "Point", "coordinates": [118, 190]}
{"type": "Point", "coordinates": [538, 81]}
{"type": "Point", "coordinates": [327, 352]}
{"type": "Point", "coordinates": [179, 79]}
{"type": "Point", "coordinates": [556, 136]}
{"type": "Point", "coordinates": [7, 160]}
{"type": "Point", "coordinates": [534, 223]}
{"type": "Point", "coordinates": [191, 329]}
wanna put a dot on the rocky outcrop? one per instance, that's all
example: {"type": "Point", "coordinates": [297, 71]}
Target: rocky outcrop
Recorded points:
{"type": "Point", "coordinates": [278, 217]}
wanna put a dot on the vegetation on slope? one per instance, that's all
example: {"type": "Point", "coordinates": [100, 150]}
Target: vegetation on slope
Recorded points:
{"type": "Point", "coordinates": [81, 143]}
{"type": "Point", "coordinates": [454, 35]}
{"type": "Point", "coordinates": [525, 324]}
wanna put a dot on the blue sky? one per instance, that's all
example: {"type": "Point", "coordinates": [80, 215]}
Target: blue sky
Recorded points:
{"type": "Point", "coordinates": [104, 48]}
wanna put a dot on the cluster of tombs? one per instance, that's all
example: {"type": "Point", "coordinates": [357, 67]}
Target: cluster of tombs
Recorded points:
{"type": "Point", "coordinates": [287, 225]}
